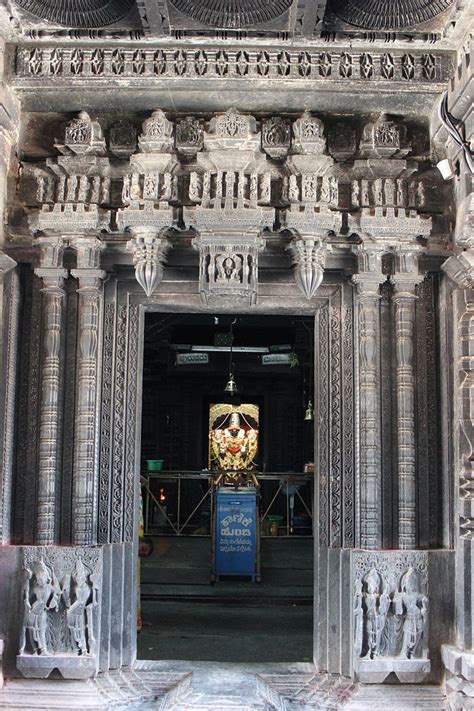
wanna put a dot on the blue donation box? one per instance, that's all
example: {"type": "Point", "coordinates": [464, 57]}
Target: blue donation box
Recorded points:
{"type": "Point", "coordinates": [236, 533]}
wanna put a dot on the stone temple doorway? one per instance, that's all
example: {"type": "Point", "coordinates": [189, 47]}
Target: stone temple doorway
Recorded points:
{"type": "Point", "coordinates": [187, 359]}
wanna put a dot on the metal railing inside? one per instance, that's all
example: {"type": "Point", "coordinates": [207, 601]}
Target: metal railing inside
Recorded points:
{"type": "Point", "coordinates": [180, 503]}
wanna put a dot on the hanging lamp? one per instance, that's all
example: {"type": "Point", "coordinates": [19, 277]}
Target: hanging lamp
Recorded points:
{"type": "Point", "coordinates": [309, 414]}
{"type": "Point", "coordinates": [231, 386]}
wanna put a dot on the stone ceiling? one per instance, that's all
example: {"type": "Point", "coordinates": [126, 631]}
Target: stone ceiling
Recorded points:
{"type": "Point", "coordinates": [404, 20]}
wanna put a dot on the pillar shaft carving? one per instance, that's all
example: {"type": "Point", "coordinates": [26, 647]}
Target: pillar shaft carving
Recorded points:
{"type": "Point", "coordinates": [85, 441]}
{"type": "Point", "coordinates": [367, 282]}
{"type": "Point", "coordinates": [405, 283]}
{"type": "Point", "coordinates": [48, 456]}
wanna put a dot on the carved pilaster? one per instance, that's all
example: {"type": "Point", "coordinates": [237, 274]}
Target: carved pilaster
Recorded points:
{"type": "Point", "coordinates": [405, 282]}
{"type": "Point", "coordinates": [48, 458]}
{"type": "Point", "coordinates": [368, 281]}
{"type": "Point", "coordinates": [84, 494]}
{"type": "Point", "coordinates": [9, 302]}
{"type": "Point", "coordinates": [149, 253]}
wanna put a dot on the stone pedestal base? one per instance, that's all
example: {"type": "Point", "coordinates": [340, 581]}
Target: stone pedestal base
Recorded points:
{"type": "Point", "coordinates": [69, 666]}
{"type": "Point", "coordinates": [341, 625]}
{"type": "Point", "coordinates": [375, 671]}
{"type": "Point", "coordinates": [459, 677]}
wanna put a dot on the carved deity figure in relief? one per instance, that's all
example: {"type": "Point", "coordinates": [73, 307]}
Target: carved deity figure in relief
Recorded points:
{"type": "Point", "coordinates": [80, 597]}
{"type": "Point", "coordinates": [126, 188]}
{"type": "Point", "coordinates": [378, 192]}
{"type": "Point", "coordinates": [194, 185]}
{"type": "Point", "coordinates": [400, 192]}
{"type": "Point", "coordinates": [364, 194]}
{"type": "Point", "coordinates": [79, 130]}
{"type": "Point", "coordinates": [293, 191]}
{"type": "Point", "coordinates": [40, 595]}
{"type": "Point", "coordinates": [229, 268]}
{"type": "Point", "coordinates": [413, 605]}
{"type": "Point", "coordinates": [389, 189]}
{"type": "Point", "coordinates": [355, 193]}
{"type": "Point", "coordinates": [377, 603]}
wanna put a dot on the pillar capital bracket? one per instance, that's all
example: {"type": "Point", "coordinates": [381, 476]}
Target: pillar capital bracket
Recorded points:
{"type": "Point", "coordinates": [460, 269]}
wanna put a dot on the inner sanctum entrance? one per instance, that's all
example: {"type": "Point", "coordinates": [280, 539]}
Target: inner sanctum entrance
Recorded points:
{"type": "Point", "coordinates": [188, 415]}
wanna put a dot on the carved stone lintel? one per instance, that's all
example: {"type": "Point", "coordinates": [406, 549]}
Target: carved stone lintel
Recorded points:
{"type": "Point", "coordinates": [149, 253]}
{"type": "Point", "coordinates": [367, 283]}
{"type": "Point", "coordinates": [309, 258]}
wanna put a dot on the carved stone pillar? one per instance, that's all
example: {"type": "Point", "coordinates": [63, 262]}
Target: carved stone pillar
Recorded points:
{"type": "Point", "coordinates": [84, 498]}
{"type": "Point", "coordinates": [405, 281]}
{"type": "Point", "coordinates": [368, 281]}
{"type": "Point", "coordinates": [149, 252]}
{"type": "Point", "coordinates": [53, 276]}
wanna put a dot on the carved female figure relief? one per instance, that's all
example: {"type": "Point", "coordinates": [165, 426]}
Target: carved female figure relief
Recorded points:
{"type": "Point", "coordinates": [414, 605]}
{"type": "Point", "coordinates": [40, 594]}
{"type": "Point", "coordinates": [377, 603]}
{"type": "Point", "coordinates": [80, 597]}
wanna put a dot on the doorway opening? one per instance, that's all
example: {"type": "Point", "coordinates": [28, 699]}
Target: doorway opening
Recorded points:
{"type": "Point", "coordinates": [188, 362]}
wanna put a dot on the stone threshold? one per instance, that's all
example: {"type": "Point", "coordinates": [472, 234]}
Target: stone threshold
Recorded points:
{"type": "Point", "coordinates": [212, 686]}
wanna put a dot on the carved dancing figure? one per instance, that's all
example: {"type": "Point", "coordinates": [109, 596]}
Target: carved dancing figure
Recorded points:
{"type": "Point", "coordinates": [40, 594]}
{"type": "Point", "coordinates": [377, 603]}
{"type": "Point", "coordinates": [416, 606]}
{"type": "Point", "coordinates": [80, 607]}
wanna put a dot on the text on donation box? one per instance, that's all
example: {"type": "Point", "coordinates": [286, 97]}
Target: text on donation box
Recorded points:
{"type": "Point", "coordinates": [236, 533]}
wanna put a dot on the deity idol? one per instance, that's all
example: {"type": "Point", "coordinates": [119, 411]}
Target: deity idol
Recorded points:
{"type": "Point", "coordinates": [234, 448]}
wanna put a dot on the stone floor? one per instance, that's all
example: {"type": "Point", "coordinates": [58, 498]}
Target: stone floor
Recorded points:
{"type": "Point", "coordinates": [234, 620]}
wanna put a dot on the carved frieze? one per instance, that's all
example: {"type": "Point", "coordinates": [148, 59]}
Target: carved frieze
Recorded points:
{"type": "Point", "coordinates": [310, 65]}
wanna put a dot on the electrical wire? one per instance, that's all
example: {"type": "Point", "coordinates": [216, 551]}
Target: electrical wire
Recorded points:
{"type": "Point", "coordinates": [448, 122]}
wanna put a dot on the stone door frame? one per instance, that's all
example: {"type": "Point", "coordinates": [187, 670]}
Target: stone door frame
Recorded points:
{"type": "Point", "coordinates": [336, 496]}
